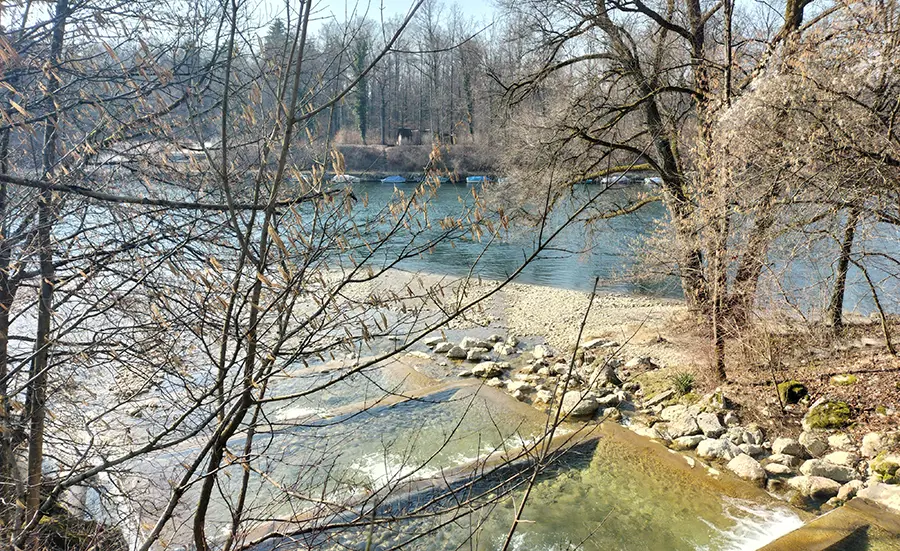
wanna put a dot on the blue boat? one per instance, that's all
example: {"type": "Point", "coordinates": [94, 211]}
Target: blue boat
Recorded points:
{"type": "Point", "coordinates": [477, 180]}
{"type": "Point", "coordinates": [394, 180]}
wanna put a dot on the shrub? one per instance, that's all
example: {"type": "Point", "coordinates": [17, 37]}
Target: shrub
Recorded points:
{"type": "Point", "coordinates": [683, 383]}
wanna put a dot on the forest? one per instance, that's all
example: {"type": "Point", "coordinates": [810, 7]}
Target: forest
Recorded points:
{"type": "Point", "coordinates": [209, 342]}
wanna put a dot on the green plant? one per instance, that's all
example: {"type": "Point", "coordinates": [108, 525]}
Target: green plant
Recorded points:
{"type": "Point", "coordinates": [683, 382]}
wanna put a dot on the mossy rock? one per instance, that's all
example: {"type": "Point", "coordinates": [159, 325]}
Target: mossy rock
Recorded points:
{"type": "Point", "coordinates": [886, 467]}
{"type": "Point", "coordinates": [791, 391]}
{"type": "Point", "coordinates": [830, 415]}
{"type": "Point", "coordinates": [881, 410]}
{"type": "Point", "coordinates": [845, 379]}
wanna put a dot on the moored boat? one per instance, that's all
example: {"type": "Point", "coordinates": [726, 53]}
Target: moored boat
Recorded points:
{"type": "Point", "coordinates": [477, 180]}
{"type": "Point", "coordinates": [345, 179]}
{"type": "Point", "coordinates": [396, 179]}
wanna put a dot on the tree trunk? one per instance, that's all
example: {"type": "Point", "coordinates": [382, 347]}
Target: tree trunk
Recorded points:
{"type": "Point", "coordinates": [836, 304]}
{"type": "Point", "coordinates": [37, 395]}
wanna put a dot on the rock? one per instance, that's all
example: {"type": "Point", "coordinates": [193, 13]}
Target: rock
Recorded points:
{"type": "Point", "coordinates": [788, 446]}
{"type": "Point", "coordinates": [777, 469]}
{"type": "Point", "coordinates": [829, 414]}
{"type": "Point", "coordinates": [886, 467]}
{"type": "Point", "coordinates": [685, 425]}
{"type": "Point", "coordinates": [419, 355]}
{"type": "Point", "coordinates": [457, 353]}
{"type": "Point", "coordinates": [443, 348]}
{"type": "Point", "coordinates": [592, 343]}
{"type": "Point", "coordinates": [487, 370]}
{"type": "Point", "coordinates": [792, 392]}
{"type": "Point", "coordinates": [469, 343]}
{"type": "Point", "coordinates": [754, 435]}
{"type": "Point", "coordinates": [814, 442]}
{"type": "Point", "coordinates": [885, 494]}
{"type": "Point", "coordinates": [717, 449]}
{"type": "Point", "coordinates": [610, 344]}
{"type": "Point", "coordinates": [685, 443]}
{"type": "Point", "coordinates": [815, 487]}
{"type": "Point", "coordinates": [731, 419]}
{"type": "Point", "coordinates": [610, 400]}
{"type": "Point", "coordinates": [478, 354]}
{"type": "Point", "coordinates": [752, 450]}
{"type": "Point", "coordinates": [465, 373]}
{"type": "Point", "coordinates": [521, 386]}
{"type": "Point", "coordinates": [613, 414]}
{"type": "Point", "coordinates": [845, 458]}
{"type": "Point", "coordinates": [648, 432]}
{"type": "Point", "coordinates": [641, 362]}
{"type": "Point", "coordinates": [495, 338]}
{"type": "Point", "coordinates": [747, 468]}
{"type": "Point", "coordinates": [872, 444]}
{"type": "Point", "coordinates": [542, 351]}
{"type": "Point", "coordinates": [543, 396]}
{"type": "Point", "coordinates": [849, 490]}
{"type": "Point", "coordinates": [845, 379]}
{"type": "Point", "coordinates": [841, 441]}
{"type": "Point", "coordinates": [495, 382]}
{"type": "Point", "coordinates": [659, 398]}
{"type": "Point", "coordinates": [710, 425]}
{"type": "Point", "coordinates": [545, 372]}
{"type": "Point", "coordinates": [511, 341]}
{"type": "Point", "coordinates": [827, 469]}
{"type": "Point", "coordinates": [576, 405]}
{"type": "Point", "coordinates": [735, 435]}
{"type": "Point", "coordinates": [631, 386]}
{"type": "Point", "coordinates": [503, 349]}
{"type": "Point", "coordinates": [785, 459]}
{"type": "Point", "coordinates": [605, 374]}
{"type": "Point", "coordinates": [671, 413]}
{"type": "Point", "coordinates": [430, 342]}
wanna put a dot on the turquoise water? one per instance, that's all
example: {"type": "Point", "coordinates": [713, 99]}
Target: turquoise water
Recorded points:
{"type": "Point", "coordinates": [798, 272]}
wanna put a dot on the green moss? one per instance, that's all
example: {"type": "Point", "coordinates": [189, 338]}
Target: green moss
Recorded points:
{"type": "Point", "coordinates": [885, 467]}
{"type": "Point", "coordinates": [846, 379]}
{"type": "Point", "coordinates": [830, 415]}
{"type": "Point", "coordinates": [881, 410]}
{"type": "Point", "coordinates": [791, 391]}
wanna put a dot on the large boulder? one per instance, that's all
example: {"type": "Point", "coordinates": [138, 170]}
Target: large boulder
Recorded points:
{"type": "Point", "coordinates": [827, 414]}
{"type": "Point", "coordinates": [684, 425]}
{"type": "Point", "coordinates": [710, 425]}
{"type": "Point", "coordinates": [815, 442]}
{"type": "Point", "coordinates": [574, 404]}
{"type": "Point", "coordinates": [788, 446]}
{"type": "Point", "coordinates": [747, 468]}
{"type": "Point", "coordinates": [717, 449]}
{"type": "Point", "coordinates": [827, 469]}
{"type": "Point", "coordinates": [815, 487]}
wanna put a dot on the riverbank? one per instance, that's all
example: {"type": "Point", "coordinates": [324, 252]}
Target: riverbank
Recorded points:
{"type": "Point", "coordinates": [837, 438]}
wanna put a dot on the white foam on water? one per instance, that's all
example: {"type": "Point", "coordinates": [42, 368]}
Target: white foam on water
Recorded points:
{"type": "Point", "coordinates": [754, 526]}
{"type": "Point", "coordinates": [298, 412]}
{"type": "Point", "coordinates": [382, 469]}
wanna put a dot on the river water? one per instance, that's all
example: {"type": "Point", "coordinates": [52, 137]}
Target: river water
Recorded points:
{"type": "Point", "coordinates": [797, 276]}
